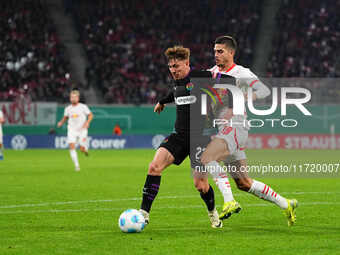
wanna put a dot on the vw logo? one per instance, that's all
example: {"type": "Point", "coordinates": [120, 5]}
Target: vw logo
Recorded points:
{"type": "Point", "coordinates": [19, 142]}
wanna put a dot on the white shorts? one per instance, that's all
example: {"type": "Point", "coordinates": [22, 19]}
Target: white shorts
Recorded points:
{"type": "Point", "coordinates": [1, 139]}
{"type": "Point", "coordinates": [78, 137]}
{"type": "Point", "coordinates": [236, 138]}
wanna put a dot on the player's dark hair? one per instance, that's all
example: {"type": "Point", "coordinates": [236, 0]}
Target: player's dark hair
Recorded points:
{"type": "Point", "coordinates": [75, 91]}
{"type": "Point", "coordinates": [228, 41]}
{"type": "Point", "coordinates": [177, 52]}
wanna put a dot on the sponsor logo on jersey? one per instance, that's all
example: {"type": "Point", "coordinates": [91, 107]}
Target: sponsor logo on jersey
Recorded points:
{"type": "Point", "coordinates": [185, 100]}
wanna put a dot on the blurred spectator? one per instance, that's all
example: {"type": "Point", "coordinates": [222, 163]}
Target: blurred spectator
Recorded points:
{"type": "Point", "coordinates": [52, 131]}
{"type": "Point", "coordinates": [125, 40]}
{"type": "Point", "coordinates": [306, 44]}
{"type": "Point", "coordinates": [117, 130]}
{"type": "Point", "coordinates": [32, 58]}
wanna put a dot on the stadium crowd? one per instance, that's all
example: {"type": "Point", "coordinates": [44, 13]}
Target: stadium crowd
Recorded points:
{"type": "Point", "coordinates": [307, 39]}
{"type": "Point", "coordinates": [32, 58]}
{"type": "Point", "coordinates": [306, 45]}
{"type": "Point", "coordinates": [125, 40]}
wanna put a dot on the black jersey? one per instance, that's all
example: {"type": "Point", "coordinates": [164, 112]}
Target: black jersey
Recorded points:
{"type": "Point", "coordinates": [187, 97]}
{"type": "Point", "coordinates": [179, 91]}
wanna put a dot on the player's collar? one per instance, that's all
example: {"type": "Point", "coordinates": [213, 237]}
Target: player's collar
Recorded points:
{"type": "Point", "coordinates": [228, 70]}
{"type": "Point", "coordinates": [184, 81]}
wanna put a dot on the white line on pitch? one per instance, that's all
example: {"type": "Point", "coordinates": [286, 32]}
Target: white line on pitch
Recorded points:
{"type": "Point", "coordinates": [137, 199]}
{"type": "Point", "coordinates": [88, 201]}
{"type": "Point", "coordinates": [155, 208]}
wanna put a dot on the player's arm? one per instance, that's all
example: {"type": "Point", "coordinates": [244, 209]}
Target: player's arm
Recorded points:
{"type": "Point", "coordinates": [88, 121]}
{"type": "Point", "coordinates": [161, 104]}
{"type": "Point", "coordinates": [261, 90]}
{"type": "Point", "coordinates": [63, 120]}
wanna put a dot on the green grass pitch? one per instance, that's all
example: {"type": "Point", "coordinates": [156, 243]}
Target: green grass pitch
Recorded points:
{"type": "Point", "coordinates": [48, 208]}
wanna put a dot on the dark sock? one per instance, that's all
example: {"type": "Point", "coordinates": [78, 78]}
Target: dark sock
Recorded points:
{"type": "Point", "coordinates": [150, 191]}
{"type": "Point", "coordinates": [209, 198]}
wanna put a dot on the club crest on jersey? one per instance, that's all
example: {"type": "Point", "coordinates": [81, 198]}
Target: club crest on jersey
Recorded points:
{"type": "Point", "coordinates": [189, 86]}
{"type": "Point", "coordinates": [74, 115]}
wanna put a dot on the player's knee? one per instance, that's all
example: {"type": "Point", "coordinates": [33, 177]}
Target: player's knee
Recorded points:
{"type": "Point", "coordinates": [244, 184]}
{"type": "Point", "coordinates": [197, 185]}
{"type": "Point", "coordinates": [155, 169]}
{"type": "Point", "coordinates": [201, 185]}
{"type": "Point", "coordinates": [206, 158]}
{"type": "Point", "coordinates": [223, 156]}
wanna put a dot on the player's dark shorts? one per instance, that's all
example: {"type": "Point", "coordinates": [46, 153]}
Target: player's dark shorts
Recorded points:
{"type": "Point", "coordinates": [178, 144]}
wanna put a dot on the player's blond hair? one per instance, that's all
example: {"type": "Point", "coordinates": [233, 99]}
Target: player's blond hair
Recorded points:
{"type": "Point", "coordinates": [177, 52]}
{"type": "Point", "coordinates": [75, 92]}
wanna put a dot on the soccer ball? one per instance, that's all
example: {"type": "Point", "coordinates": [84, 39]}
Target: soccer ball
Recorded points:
{"type": "Point", "coordinates": [131, 221]}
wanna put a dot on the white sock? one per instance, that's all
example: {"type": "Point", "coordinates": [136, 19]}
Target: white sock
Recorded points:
{"type": "Point", "coordinates": [74, 158]}
{"type": "Point", "coordinates": [265, 192]}
{"type": "Point", "coordinates": [221, 179]}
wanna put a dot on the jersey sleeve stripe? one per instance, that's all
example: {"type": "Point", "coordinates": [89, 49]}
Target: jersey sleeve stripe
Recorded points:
{"type": "Point", "coordinates": [253, 82]}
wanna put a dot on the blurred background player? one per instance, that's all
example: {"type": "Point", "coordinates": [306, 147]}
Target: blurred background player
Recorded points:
{"type": "Point", "coordinates": [2, 120]}
{"type": "Point", "coordinates": [229, 143]}
{"type": "Point", "coordinates": [117, 130]}
{"type": "Point", "coordinates": [79, 118]}
{"type": "Point", "coordinates": [176, 147]}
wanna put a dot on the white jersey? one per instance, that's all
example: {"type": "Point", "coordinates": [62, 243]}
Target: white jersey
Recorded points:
{"type": "Point", "coordinates": [244, 79]}
{"type": "Point", "coordinates": [77, 116]}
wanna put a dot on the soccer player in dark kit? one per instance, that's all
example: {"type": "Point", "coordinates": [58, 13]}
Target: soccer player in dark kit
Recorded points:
{"type": "Point", "coordinates": [176, 147]}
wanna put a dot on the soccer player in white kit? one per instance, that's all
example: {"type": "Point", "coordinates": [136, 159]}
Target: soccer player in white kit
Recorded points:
{"type": "Point", "coordinates": [79, 118]}
{"type": "Point", "coordinates": [2, 120]}
{"type": "Point", "coordinates": [229, 143]}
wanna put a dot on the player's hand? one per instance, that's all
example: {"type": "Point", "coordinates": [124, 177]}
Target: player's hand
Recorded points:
{"type": "Point", "coordinates": [60, 124]}
{"type": "Point", "coordinates": [159, 107]}
{"type": "Point", "coordinates": [86, 125]}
